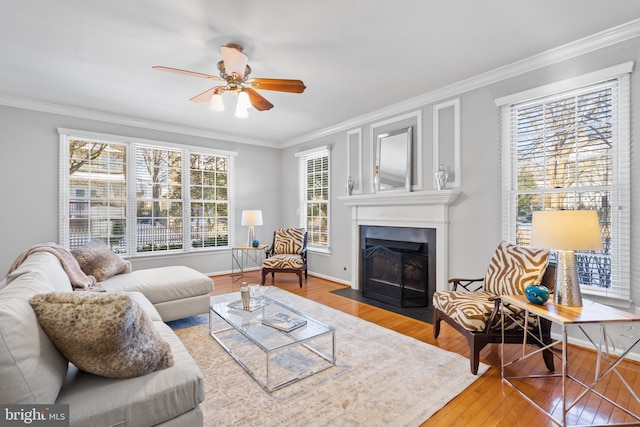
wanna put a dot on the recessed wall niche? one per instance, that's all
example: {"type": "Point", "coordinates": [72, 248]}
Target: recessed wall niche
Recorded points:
{"type": "Point", "coordinates": [446, 140]}
{"type": "Point", "coordinates": [413, 120]}
{"type": "Point", "coordinates": [354, 159]}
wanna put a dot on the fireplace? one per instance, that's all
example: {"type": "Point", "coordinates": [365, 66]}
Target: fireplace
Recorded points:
{"type": "Point", "coordinates": [415, 209]}
{"type": "Point", "coordinates": [398, 264]}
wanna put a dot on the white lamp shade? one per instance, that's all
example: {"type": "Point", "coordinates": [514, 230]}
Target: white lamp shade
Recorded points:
{"type": "Point", "coordinates": [243, 100]}
{"type": "Point", "coordinates": [216, 103]}
{"type": "Point", "coordinates": [241, 113]}
{"type": "Point", "coordinates": [252, 217]}
{"type": "Point", "coordinates": [568, 230]}
{"type": "Point", "coordinates": [242, 107]}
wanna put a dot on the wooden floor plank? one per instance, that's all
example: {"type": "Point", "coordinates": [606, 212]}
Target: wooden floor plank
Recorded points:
{"type": "Point", "coordinates": [488, 401]}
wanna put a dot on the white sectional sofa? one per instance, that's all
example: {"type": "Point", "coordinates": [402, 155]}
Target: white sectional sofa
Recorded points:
{"type": "Point", "coordinates": [33, 371]}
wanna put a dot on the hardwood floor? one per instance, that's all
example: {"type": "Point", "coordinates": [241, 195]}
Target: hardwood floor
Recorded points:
{"type": "Point", "coordinates": [488, 401]}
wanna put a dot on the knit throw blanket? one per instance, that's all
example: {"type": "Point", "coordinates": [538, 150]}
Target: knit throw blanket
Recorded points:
{"type": "Point", "coordinates": [79, 280]}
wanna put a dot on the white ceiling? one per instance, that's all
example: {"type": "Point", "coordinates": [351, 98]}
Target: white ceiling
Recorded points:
{"type": "Point", "coordinates": [354, 56]}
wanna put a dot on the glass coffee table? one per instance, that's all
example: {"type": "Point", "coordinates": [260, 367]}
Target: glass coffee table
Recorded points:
{"type": "Point", "coordinates": [274, 358]}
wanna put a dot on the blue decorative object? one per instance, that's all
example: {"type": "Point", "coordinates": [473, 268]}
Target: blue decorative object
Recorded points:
{"type": "Point", "coordinates": [537, 294]}
{"type": "Point", "coordinates": [255, 243]}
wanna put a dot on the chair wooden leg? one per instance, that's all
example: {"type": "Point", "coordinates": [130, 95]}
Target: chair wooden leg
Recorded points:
{"type": "Point", "coordinates": [264, 273]}
{"type": "Point", "coordinates": [547, 355]}
{"type": "Point", "coordinates": [299, 274]}
{"type": "Point", "coordinates": [436, 323]}
{"type": "Point", "coordinates": [474, 356]}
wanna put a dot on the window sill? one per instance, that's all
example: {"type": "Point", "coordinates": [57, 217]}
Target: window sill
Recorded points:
{"type": "Point", "coordinates": [320, 251]}
{"type": "Point", "coordinates": [175, 253]}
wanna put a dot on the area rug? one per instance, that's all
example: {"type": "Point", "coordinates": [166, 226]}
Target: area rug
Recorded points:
{"type": "Point", "coordinates": [381, 377]}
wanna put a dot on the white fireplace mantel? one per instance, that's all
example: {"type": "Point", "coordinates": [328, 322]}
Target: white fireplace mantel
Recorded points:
{"type": "Point", "coordinates": [392, 198]}
{"type": "Point", "coordinates": [423, 209]}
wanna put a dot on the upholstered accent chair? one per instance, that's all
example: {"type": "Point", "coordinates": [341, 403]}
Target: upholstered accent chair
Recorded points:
{"type": "Point", "coordinates": [287, 254]}
{"type": "Point", "coordinates": [472, 307]}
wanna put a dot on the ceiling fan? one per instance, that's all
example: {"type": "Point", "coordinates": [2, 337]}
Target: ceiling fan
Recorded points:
{"type": "Point", "coordinates": [234, 71]}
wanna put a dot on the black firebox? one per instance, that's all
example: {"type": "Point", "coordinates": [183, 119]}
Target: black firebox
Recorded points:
{"type": "Point", "coordinates": [398, 264]}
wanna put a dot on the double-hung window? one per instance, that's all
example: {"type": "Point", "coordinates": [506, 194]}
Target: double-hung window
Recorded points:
{"type": "Point", "coordinates": [314, 184]}
{"type": "Point", "coordinates": [567, 146]}
{"type": "Point", "coordinates": [142, 197]}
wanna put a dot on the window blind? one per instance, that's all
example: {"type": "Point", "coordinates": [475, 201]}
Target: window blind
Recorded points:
{"type": "Point", "coordinates": [571, 150]}
{"type": "Point", "coordinates": [142, 197]}
{"type": "Point", "coordinates": [314, 186]}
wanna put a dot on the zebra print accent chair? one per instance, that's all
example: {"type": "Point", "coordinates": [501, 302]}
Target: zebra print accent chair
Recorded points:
{"type": "Point", "coordinates": [472, 307]}
{"type": "Point", "coordinates": [287, 254]}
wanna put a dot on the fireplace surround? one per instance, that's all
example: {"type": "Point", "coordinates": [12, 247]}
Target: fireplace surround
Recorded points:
{"type": "Point", "coordinates": [420, 209]}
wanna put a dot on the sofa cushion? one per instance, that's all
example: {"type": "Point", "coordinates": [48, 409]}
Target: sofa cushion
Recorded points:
{"type": "Point", "coordinates": [97, 260]}
{"type": "Point", "coordinates": [148, 400]}
{"type": "Point", "coordinates": [50, 267]}
{"type": "Point", "coordinates": [512, 268]}
{"type": "Point", "coordinates": [146, 305]}
{"type": "Point", "coordinates": [70, 266]}
{"type": "Point", "coordinates": [32, 370]}
{"type": "Point", "coordinates": [105, 334]}
{"type": "Point", "coordinates": [162, 284]}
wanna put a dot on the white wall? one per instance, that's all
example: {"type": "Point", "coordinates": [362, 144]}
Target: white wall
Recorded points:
{"type": "Point", "coordinates": [29, 177]}
{"type": "Point", "coordinates": [475, 217]}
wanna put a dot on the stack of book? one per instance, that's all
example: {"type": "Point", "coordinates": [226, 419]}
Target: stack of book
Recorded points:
{"type": "Point", "coordinates": [284, 322]}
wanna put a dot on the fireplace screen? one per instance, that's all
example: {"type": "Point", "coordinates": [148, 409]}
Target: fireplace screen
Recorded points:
{"type": "Point", "coordinates": [395, 271]}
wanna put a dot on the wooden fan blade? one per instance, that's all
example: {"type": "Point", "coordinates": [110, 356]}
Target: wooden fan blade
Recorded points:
{"type": "Point", "coordinates": [204, 96]}
{"type": "Point", "coordinates": [281, 85]}
{"type": "Point", "coordinates": [258, 101]}
{"type": "Point", "coordinates": [185, 72]}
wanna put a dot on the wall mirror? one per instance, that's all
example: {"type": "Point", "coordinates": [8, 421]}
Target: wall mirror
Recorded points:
{"type": "Point", "coordinates": [394, 160]}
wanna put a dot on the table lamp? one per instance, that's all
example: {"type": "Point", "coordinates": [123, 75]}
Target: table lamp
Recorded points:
{"type": "Point", "coordinates": [566, 231]}
{"type": "Point", "coordinates": [251, 218]}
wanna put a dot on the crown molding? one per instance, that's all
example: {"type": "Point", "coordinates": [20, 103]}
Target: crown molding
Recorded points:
{"type": "Point", "coordinates": [84, 113]}
{"type": "Point", "coordinates": [579, 47]}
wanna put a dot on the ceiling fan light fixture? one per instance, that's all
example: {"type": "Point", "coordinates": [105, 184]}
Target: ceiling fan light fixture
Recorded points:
{"type": "Point", "coordinates": [243, 100]}
{"type": "Point", "coordinates": [243, 105]}
{"type": "Point", "coordinates": [216, 102]}
{"type": "Point", "coordinates": [242, 113]}
{"type": "Point", "coordinates": [235, 71]}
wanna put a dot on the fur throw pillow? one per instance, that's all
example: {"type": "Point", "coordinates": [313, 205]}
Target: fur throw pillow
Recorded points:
{"type": "Point", "coordinates": [97, 260]}
{"type": "Point", "coordinates": [105, 334]}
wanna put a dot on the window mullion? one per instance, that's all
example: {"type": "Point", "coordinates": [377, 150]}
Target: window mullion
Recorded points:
{"type": "Point", "coordinates": [186, 200]}
{"type": "Point", "coordinates": [132, 235]}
